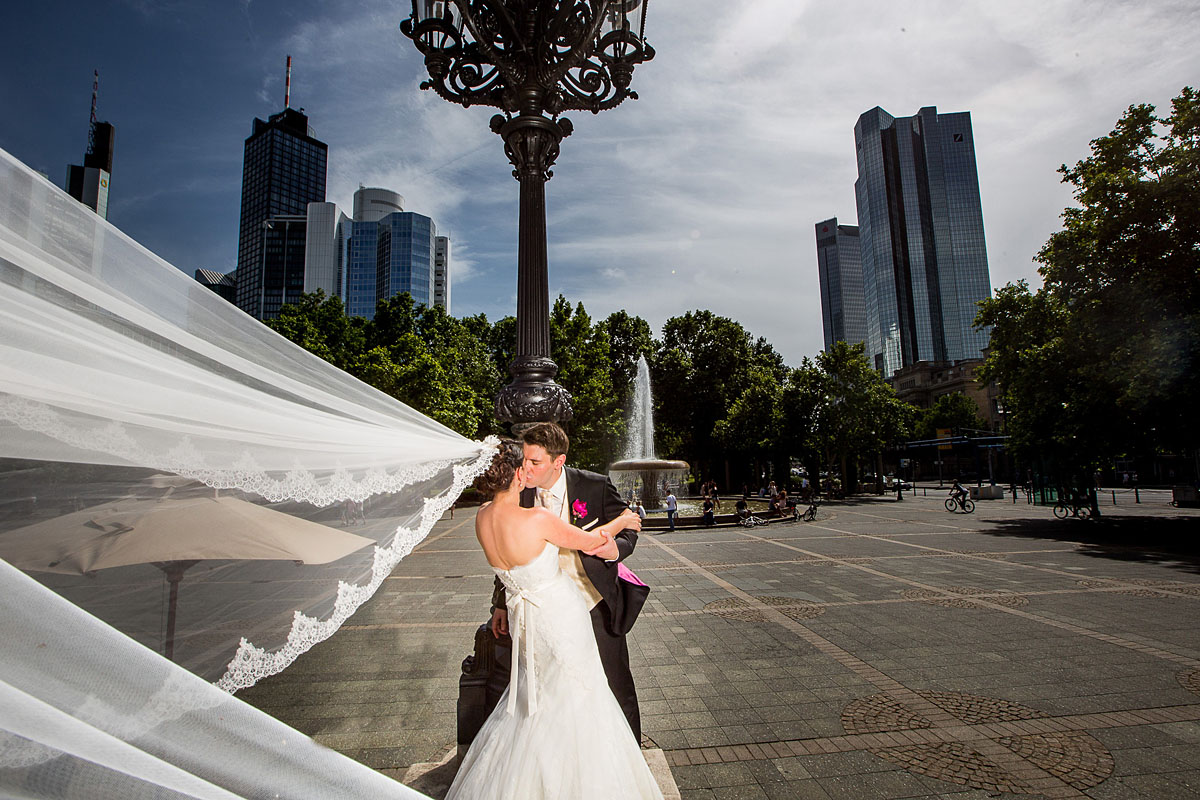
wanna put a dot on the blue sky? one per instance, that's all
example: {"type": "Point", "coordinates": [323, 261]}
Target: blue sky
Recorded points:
{"type": "Point", "coordinates": [702, 194]}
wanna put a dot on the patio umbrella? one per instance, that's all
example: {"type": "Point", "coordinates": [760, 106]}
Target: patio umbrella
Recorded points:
{"type": "Point", "coordinates": [173, 534]}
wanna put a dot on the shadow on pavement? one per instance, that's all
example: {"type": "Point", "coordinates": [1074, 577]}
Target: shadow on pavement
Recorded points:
{"type": "Point", "coordinates": [1170, 541]}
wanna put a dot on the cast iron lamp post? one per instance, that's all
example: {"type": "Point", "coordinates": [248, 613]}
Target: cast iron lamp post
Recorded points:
{"type": "Point", "coordinates": [533, 60]}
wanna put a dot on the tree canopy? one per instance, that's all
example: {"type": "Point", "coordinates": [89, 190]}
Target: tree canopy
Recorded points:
{"type": "Point", "coordinates": [1103, 359]}
{"type": "Point", "coordinates": [725, 401]}
{"type": "Point", "coordinates": [954, 410]}
{"type": "Point", "coordinates": [419, 355]}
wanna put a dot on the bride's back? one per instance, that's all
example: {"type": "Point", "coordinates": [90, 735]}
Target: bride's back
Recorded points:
{"type": "Point", "coordinates": [511, 535]}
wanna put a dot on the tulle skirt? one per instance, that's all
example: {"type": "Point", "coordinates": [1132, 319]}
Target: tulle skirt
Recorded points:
{"type": "Point", "coordinates": [576, 746]}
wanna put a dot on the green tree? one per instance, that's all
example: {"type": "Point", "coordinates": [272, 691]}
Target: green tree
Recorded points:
{"type": "Point", "coordinates": [955, 410]}
{"type": "Point", "coordinates": [628, 338]}
{"type": "Point", "coordinates": [320, 325]}
{"type": "Point", "coordinates": [407, 371]}
{"type": "Point", "coordinates": [857, 413]}
{"type": "Point", "coordinates": [1105, 357]}
{"type": "Point", "coordinates": [801, 399]}
{"type": "Point", "coordinates": [702, 366]}
{"type": "Point", "coordinates": [581, 351]}
{"type": "Point", "coordinates": [751, 430]}
{"type": "Point", "coordinates": [419, 355]}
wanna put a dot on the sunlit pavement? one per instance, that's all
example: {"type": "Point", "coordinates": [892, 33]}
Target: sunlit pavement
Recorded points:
{"type": "Point", "coordinates": [886, 650]}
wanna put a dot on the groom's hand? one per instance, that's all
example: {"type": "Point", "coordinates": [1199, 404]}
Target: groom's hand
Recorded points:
{"type": "Point", "coordinates": [607, 551]}
{"type": "Point", "coordinates": [499, 622]}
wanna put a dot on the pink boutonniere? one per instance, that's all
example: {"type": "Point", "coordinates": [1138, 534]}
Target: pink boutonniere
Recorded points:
{"type": "Point", "coordinates": [578, 510]}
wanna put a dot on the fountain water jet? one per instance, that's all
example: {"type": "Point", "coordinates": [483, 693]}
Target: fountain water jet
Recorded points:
{"type": "Point", "coordinates": [640, 473]}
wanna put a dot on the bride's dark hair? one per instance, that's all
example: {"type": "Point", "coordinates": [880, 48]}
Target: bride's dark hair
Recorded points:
{"type": "Point", "coordinates": [499, 475]}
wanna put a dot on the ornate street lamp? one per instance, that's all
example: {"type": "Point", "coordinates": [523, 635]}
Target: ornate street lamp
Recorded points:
{"type": "Point", "coordinates": [532, 59]}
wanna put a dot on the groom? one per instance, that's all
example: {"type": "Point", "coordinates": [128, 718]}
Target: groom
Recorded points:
{"type": "Point", "coordinates": [584, 499]}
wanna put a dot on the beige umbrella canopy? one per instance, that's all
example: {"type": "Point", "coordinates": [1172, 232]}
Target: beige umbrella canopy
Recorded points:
{"type": "Point", "coordinates": [173, 534]}
{"type": "Point", "coordinates": [147, 531]}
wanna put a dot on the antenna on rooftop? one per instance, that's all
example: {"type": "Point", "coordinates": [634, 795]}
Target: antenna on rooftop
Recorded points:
{"type": "Point", "coordinates": [92, 124]}
{"type": "Point", "coordinates": [287, 85]}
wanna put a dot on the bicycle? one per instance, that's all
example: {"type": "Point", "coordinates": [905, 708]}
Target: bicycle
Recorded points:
{"type": "Point", "coordinates": [751, 521]}
{"type": "Point", "coordinates": [1064, 508]}
{"type": "Point", "coordinates": [810, 513]}
{"type": "Point", "coordinates": [953, 503]}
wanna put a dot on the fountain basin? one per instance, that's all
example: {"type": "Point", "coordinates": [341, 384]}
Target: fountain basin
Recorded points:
{"type": "Point", "coordinates": [646, 478]}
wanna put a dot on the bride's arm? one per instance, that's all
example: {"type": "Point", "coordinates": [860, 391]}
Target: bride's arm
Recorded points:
{"type": "Point", "coordinates": [563, 534]}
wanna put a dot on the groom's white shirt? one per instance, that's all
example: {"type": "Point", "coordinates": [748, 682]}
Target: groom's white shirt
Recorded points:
{"type": "Point", "coordinates": [555, 498]}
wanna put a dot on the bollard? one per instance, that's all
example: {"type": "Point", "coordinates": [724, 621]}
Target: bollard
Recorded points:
{"type": "Point", "coordinates": [1137, 498]}
{"type": "Point", "coordinates": [1114, 497]}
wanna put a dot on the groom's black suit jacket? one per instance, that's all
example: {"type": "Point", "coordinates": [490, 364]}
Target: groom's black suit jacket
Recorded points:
{"type": "Point", "coordinates": [603, 504]}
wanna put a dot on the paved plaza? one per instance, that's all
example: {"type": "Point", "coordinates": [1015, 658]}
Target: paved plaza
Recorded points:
{"type": "Point", "coordinates": [886, 650]}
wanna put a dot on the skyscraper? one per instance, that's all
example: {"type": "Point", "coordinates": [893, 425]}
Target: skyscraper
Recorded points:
{"type": "Point", "coordinates": [283, 171]}
{"type": "Point", "coordinates": [88, 182]}
{"type": "Point", "coordinates": [441, 272]}
{"type": "Point", "coordinates": [327, 250]}
{"type": "Point", "coordinates": [382, 252]}
{"type": "Point", "coordinates": [839, 265]}
{"type": "Point", "coordinates": [222, 283]}
{"type": "Point", "coordinates": [404, 261]}
{"type": "Point", "coordinates": [920, 220]}
{"type": "Point", "coordinates": [284, 239]}
{"type": "Point", "coordinates": [390, 251]}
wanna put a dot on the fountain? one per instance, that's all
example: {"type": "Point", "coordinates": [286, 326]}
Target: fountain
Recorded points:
{"type": "Point", "coordinates": [640, 473]}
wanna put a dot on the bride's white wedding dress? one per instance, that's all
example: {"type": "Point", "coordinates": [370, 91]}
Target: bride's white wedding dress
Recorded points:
{"type": "Point", "coordinates": [557, 731]}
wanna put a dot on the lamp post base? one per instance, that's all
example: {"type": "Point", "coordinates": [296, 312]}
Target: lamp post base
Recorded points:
{"type": "Point", "coordinates": [533, 396]}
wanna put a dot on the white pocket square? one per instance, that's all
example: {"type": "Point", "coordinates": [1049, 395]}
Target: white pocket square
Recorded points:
{"type": "Point", "coordinates": [590, 525]}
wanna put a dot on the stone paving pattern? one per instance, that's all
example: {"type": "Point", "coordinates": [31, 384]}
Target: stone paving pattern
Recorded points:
{"type": "Point", "coordinates": [886, 650]}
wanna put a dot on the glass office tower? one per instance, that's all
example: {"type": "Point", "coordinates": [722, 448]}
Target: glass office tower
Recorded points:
{"type": "Point", "coordinates": [920, 219]}
{"type": "Point", "coordinates": [406, 250]}
{"type": "Point", "coordinates": [390, 256]}
{"type": "Point", "coordinates": [283, 171]}
{"type": "Point", "coordinates": [839, 265]}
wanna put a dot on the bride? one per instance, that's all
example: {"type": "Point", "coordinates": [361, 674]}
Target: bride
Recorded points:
{"type": "Point", "coordinates": [557, 731]}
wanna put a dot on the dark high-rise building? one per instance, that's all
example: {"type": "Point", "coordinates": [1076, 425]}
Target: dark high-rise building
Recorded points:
{"type": "Point", "coordinates": [284, 238]}
{"type": "Point", "coordinates": [283, 171]}
{"type": "Point", "coordinates": [839, 264]}
{"type": "Point", "coordinates": [222, 283]}
{"type": "Point", "coordinates": [920, 220]}
{"type": "Point", "coordinates": [88, 182]}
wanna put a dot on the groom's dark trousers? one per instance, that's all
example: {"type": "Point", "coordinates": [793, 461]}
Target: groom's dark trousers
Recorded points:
{"type": "Point", "coordinates": [593, 501]}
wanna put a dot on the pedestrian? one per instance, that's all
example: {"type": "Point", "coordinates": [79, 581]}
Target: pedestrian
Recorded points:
{"type": "Point", "coordinates": [672, 507]}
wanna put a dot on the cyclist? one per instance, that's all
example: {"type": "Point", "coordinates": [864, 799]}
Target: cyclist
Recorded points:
{"type": "Point", "coordinates": [958, 492]}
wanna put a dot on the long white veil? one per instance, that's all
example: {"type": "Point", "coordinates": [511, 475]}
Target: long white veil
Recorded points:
{"type": "Point", "coordinates": [174, 469]}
